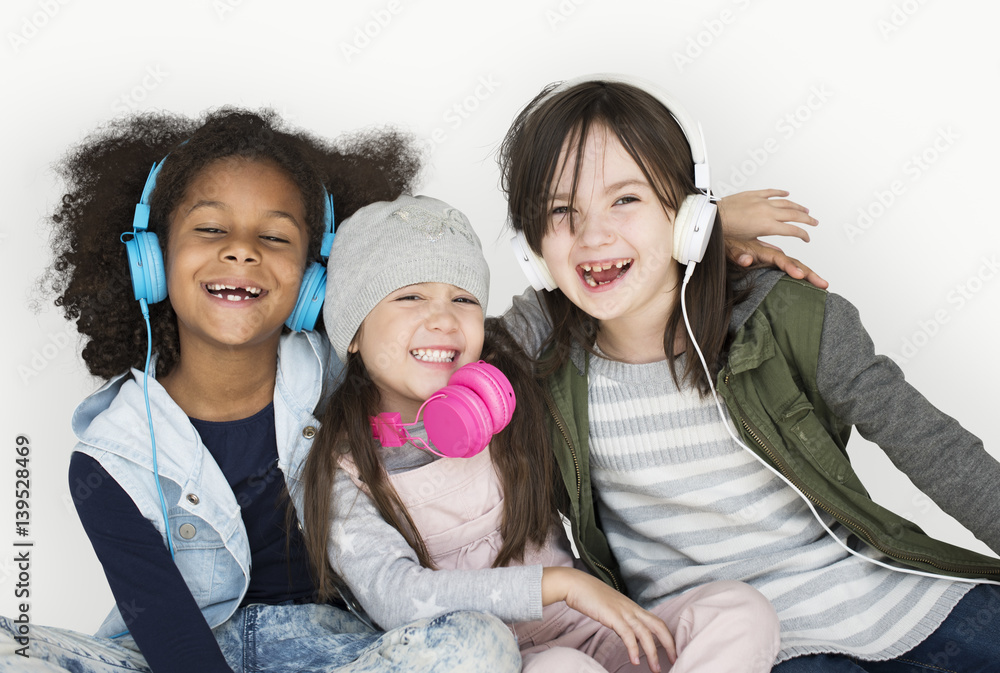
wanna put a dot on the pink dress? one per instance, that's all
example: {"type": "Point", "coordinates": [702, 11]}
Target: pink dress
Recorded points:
{"type": "Point", "coordinates": [457, 505]}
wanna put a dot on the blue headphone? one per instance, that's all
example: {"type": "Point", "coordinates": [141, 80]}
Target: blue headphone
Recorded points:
{"type": "Point", "coordinates": [312, 292]}
{"type": "Point", "coordinates": [149, 284]}
{"type": "Point", "coordinates": [149, 280]}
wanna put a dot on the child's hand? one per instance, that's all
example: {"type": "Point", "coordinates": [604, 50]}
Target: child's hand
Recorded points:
{"type": "Point", "coordinates": [746, 253]}
{"type": "Point", "coordinates": [747, 215]}
{"type": "Point", "coordinates": [600, 602]}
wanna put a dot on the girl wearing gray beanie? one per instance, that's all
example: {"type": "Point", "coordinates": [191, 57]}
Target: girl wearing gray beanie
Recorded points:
{"type": "Point", "coordinates": [413, 532]}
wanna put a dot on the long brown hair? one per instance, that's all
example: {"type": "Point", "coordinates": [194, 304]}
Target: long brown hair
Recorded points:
{"type": "Point", "coordinates": [520, 454]}
{"type": "Point", "coordinates": [530, 165]}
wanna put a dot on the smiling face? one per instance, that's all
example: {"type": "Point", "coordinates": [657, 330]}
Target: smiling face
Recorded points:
{"type": "Point", "coordinates": [415, 339]}
{"type": "Point", "coordinates": [614, 260]}
{"type": "Point", "coordinates": [235, 255]}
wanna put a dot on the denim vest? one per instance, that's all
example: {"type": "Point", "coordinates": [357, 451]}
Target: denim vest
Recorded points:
{"type": "Point", "coordinates": [212, 551]}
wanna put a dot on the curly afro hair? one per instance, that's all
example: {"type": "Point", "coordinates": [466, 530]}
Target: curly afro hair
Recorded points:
{"type": "Point", "coordinates": [105, 175]}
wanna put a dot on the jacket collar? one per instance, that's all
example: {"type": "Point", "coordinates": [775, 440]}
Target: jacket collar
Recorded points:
{"type": "Point", "coordinates": [760, 283]}
{"type": "Point", "coordinates": [114, 417]}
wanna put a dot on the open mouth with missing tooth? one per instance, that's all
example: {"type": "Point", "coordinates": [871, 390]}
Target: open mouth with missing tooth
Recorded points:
{"type": "Point", "coordinates": [433, 355]}
{"type": "Point", "coordinates": [232, 293]}
{"type": "Point", "coordinates": [603, 273]}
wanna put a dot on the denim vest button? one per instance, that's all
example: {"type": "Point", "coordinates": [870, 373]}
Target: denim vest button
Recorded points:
{"type": "Point", "coordinates": [193, 499]}
{"type": "Point", "coordinates": [187, 531]}
{"type": "Point", "coordinates": [309, 432]}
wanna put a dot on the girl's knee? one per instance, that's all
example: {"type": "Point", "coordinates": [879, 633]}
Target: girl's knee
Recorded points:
{"type": "Point", "coordinates": [736, 596]}
{"type": "Point", "coordinates": [560, 660]}
{"type": "Point", "coordinates": [9, 643]}
{"type": "Point", "coordinates": [727, 620]}
{"type": "Point", "coordinates": [480, 641]}
{"type": "Point", "coordinates": [455, 641]}
{"type": "Point", "coordinates": [749, 606]}
{"type": "Point", "coordinates": [735, 605]}
{"type": "Point", "coordinates": [746, 594]}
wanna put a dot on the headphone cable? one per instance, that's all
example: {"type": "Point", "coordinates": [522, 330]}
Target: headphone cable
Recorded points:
{"type": "Point", "coordinates": [718, 405]}
{"type": "Point", "coordinates": [149, 418]}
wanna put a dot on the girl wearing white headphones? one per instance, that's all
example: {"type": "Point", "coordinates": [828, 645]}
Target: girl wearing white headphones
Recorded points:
{"type": "Point", "coordinates": [609, 194]}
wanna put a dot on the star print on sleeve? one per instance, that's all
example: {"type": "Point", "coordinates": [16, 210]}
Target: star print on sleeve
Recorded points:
{"type": "Point", "coordinates": [386, 577]}
{"type": "Point", "coordinates": [362, 593]}
{"type": "Point", "coordinates": [345, 540]}
{"type": "Point", "coordinates": [428, 608]}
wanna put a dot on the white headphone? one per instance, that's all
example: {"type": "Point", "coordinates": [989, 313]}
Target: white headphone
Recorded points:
{"type": "Point", "coordinates": [692, 228]}
{"type": "Point", "coordinates": [696, 215]}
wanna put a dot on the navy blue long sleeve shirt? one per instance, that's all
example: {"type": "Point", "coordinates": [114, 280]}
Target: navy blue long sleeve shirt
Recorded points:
{"type": "Point", "coordinates": [161, 614]}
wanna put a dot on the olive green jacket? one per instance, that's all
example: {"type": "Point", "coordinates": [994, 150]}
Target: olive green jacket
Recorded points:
{"type": "Point", "coordinates": [769, 387]}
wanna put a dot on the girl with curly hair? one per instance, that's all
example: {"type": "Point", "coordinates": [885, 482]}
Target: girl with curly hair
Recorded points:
{"type": "Point", "coordinates": [198, 544]}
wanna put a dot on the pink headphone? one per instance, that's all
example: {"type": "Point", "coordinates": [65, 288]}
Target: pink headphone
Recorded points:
{"type": "Point", "coordinates": [461, 418]}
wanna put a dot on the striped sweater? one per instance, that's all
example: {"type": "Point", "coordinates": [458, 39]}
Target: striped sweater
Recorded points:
{"type": "Point", "coordinates": [682, 505]}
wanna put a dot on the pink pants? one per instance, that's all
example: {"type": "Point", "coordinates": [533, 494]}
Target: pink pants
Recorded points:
{"type": "Point", "coordinates": [720, 627]}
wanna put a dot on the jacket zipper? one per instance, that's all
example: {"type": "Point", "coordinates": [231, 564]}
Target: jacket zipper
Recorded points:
{"type": "Point", "coordinates": [857, 527]}
{"type": "Point", "coordinates": [572, 450]}
{"type": "Point", "coordinates": [579, 487]}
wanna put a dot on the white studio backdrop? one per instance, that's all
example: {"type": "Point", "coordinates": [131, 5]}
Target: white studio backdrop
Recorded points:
{"type": "Point", "coordinates": [879, 115]}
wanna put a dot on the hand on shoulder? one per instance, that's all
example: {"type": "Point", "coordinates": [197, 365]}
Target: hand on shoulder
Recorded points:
{"type": "Point", "coordinates": [748, 215]}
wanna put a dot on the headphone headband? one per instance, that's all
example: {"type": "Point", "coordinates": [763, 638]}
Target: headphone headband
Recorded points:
{"type": "Point", "coordinates": [689, 127]}
{"type": "Point", "coordinates": [695, 216]}
{"type": "Point", "coordinates": [149, 282]}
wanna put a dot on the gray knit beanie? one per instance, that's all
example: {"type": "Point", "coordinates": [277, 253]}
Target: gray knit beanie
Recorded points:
{"type": "Point", "coordinates": [391, 244]}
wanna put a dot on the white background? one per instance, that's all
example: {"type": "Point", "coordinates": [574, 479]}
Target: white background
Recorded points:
{"type": "Point", "coordinates": [833, 101]}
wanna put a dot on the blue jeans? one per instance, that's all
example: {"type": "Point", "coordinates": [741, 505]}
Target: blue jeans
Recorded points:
{"type": "Point", "coordinates": [292, 638]}
{"type": "Point", "coordinates": [968, 641]}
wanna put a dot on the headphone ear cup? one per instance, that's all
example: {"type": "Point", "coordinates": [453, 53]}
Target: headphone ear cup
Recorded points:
{"type": "Point", "coordinates": [534, 267]}
{"type": "Point", "coordinates": [145, 262]}
{"type": "Point", "coordinates": [458, 423]}
{"type": "Point", "coordinates": [693, 225]}
{"type": "Point", "coordinates": [492, 387]}
{"type": "Point", "coordinates": [477, 403]}
{"type": "Point", "coordinates": [312, 292]}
